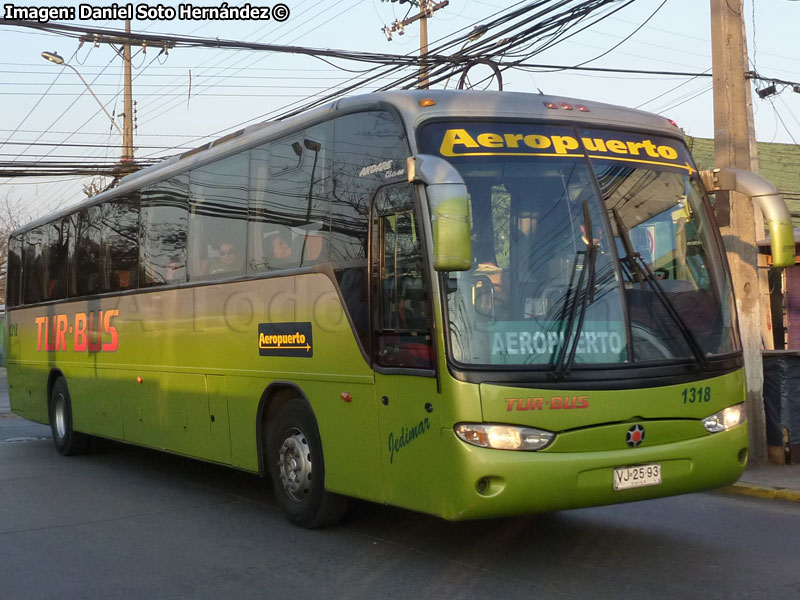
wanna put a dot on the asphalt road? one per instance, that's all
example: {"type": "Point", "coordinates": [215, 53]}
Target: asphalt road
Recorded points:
{"type": "Point", "coordinates": [135, 523]}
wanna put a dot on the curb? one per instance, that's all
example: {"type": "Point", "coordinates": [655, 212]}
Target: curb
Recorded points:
{"type": "Point", "coordinates": [763, 491]}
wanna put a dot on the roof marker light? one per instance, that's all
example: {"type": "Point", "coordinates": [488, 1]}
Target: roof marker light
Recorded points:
{"type": "Point", "coordinates": [427, 102]}
{"type": "Point", "coordinates": [551, 105]}
{"type": "Point", "coordinates": [565, 106]}
{"type": "Point", "coordinates": [582, 108]}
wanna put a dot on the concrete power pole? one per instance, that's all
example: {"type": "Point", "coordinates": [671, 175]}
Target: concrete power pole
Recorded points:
{"type": "Point", "coordinates": [423, 44]}
{"type": "Point", "coordinates": [735, 146]}
{"type": "Point", "coordinates": [426, 10]}
{"type": "Point", "coordinates": [127, 125]}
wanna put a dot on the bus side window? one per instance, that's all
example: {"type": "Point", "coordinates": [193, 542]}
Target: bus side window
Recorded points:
{"type": "Point", "coordinates": [33, 265]}
{"type": "Point", "coordinates": [257, 212]}
{"type": "Point", "coordinates": [162, 234]}
{"type": "Point", "coordinates": [56, 260]}
{"type": "Point", "coordinates": [119, 248]}
{"type": "Point", "coordinates": [85, 268]}
{"type": "Point", "coordinates": [370, 147]}
{"type": "Point", "coordinates": [218, 194]}
{"type": "Point", "coordinates": [290, 205]}
{"type": "Point", "coordinates": [14, 277]}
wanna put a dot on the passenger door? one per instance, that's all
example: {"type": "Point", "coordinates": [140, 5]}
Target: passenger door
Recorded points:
{"type": "Point", "coordinates": [410, 432]}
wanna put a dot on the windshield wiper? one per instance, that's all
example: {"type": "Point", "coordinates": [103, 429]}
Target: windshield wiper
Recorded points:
{"type": "Point", "coordinates": [691, 340]}
{"type": "Point", "coordinates": [624, 235]}
{"type": "Point", "coordinates": [584, 293]}
{"type": "Point", "coordinates": [638, 265]}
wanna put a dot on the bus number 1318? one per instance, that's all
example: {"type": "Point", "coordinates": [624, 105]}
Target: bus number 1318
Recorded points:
{"type": "Point", "coordinates": [696, 394]}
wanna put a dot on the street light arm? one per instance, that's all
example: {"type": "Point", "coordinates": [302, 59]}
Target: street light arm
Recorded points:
{"type": "Point", "coordinates": [113, 122]}
{"type": "Point", "coordinates": [54, 58]}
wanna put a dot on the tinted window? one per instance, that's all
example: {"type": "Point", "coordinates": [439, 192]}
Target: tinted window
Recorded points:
{"type": "Point", "coordinates": [86, 266]}
{"type": "Point", "coordinates": [218, 217]}
{"type": "Point", "coordinates": [33, 265]}
{"type": "Point", "coordinates": [14, 275]}
{"type": "Point", "coordinates": [371, 149]}
{"type": "Point", "coordinates": [164, 216]}
{"type": "Point", "coordinates": [120, 248]}
{"type": "Point", "coordinates": [289, 201]}
{"type": "Point", "coordinates": [72, 246]}
{"type": "Point", "coordinates": [56, 259]}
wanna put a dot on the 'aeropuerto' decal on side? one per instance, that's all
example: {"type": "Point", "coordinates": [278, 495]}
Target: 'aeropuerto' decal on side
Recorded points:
{"type": "Point", "coordinates": [285, 339]}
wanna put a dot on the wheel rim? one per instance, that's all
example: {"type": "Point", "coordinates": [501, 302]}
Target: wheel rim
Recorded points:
{"type": "Point", "coordinates": [60, 416]}
{"type": "Point", "coordinates": [294, 464]}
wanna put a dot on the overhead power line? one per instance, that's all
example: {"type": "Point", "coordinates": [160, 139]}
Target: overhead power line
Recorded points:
{"type": "Point", "coordinates": [526, 29]}
{"type": "Point", "coordinates": [79, 145]}
{"type": "Point", "coordinates": [166, 42]}
{"type": "Point", "coordinates": [498, 44]}
{"type": "Point", "coordinates": [459, 39]}
{"type": "Point", "coordinates": [53, 168]}
{"type": "Point", "coordinates": [509, 39]}
{"type": "Point", "coordinates": [606, 70]}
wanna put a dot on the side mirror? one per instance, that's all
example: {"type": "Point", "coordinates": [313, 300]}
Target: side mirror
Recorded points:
{"type": "Point", "coordinates": [450, 211]}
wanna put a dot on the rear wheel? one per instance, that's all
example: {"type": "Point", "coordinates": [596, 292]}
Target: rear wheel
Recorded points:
{"type": "Point", "coordinates": [68, 441]}
{"type": "Point", "coordinates": [294, 457]}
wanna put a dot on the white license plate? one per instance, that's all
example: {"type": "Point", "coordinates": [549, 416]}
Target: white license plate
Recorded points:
{"type": "Point", "coordinates": [639, 476]}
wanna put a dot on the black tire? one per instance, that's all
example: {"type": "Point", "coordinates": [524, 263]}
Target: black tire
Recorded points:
{"type": "Point", "coordinates": [295, 462]}
{"type": "Point", "coordinates": [68, 441]}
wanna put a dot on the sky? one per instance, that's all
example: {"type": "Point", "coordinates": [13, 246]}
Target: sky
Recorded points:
{"type": "Point", "coordinates": [193, 95]}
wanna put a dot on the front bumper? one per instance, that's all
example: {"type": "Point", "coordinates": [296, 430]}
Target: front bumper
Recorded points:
{"type": "Point", "coordinates": [483, 483]}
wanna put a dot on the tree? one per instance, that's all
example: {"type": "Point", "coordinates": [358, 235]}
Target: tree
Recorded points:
{"type": "Point", "coordinates": [14, 213]}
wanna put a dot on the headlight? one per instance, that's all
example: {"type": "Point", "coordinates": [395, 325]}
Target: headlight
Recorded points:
{"type": "Point", "coordinates": [503, 437]}
{"type": "Point", "coordinates": [725, 419]}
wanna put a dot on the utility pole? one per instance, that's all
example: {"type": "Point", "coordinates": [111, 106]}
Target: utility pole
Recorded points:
{"type": "Point", "coordinates": [426, 10]}
{"type": "Point", "coordinates": [424, 6]}
{"type": "Point", "coordinates": [128, 113]}
{"type": "Point", "coordinates": [735, 146]}
{"type": "Point", "coordinates": [127, 124]}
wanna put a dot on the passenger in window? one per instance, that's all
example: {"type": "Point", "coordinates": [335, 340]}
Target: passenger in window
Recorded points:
{"type": "Point", "coordinates": [311, 247]}
{"type": "Point", "coordinates": [279, 249]}
{"type": "Point", "coordinates": [229, 260]}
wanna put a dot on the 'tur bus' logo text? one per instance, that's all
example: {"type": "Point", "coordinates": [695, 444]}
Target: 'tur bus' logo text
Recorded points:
{"type": "Point", "coordinates": [553, 403]}
{"type": "Point", "coordinates": [92, 331]}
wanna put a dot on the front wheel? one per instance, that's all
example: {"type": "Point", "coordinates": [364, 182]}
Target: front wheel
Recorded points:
{"type": "Point", "coordinates": [68, 441]}
{"type": "Point", "coordinates": [294, 457]}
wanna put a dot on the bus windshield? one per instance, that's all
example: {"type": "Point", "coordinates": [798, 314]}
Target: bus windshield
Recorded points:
{"type": "Point", "coordinates": [589, 247]}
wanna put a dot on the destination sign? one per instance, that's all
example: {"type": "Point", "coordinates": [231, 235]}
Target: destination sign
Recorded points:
{"type": "Point", "coordinates": [539, 342]}
{"type": "Point", "coordinates": [539, 140]}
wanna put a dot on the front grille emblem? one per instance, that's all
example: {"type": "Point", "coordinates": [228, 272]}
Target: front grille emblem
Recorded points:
{"type": "Point", "coordinates": [635, 436]}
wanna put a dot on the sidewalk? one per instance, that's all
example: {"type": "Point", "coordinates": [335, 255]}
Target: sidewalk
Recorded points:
{"type": "Point", "coordinates": [5, 407]}
{"type": "Point", "coordinates": [774, 482]}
